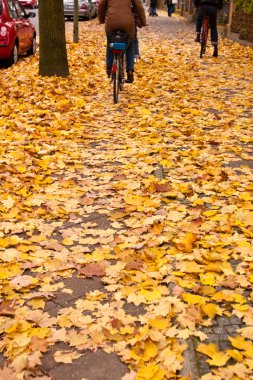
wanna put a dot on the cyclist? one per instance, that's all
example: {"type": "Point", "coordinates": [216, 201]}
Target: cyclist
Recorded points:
{"type": "Point", "coordinates": [118, 15]}
{"type": "Point", "coordinates": [208, 8]}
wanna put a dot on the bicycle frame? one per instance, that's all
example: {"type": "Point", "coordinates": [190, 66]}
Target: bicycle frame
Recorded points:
{"type": "Point", "coordinates": [117, 76]}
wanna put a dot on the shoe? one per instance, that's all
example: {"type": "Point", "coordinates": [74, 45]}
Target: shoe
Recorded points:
{"type": "Point", "coordinates": [156, 15]}
{"type": "Point", "coordinates": [197, 39]}
{"type": "Point", "coordinates": [130, 76]}
{"type": "Point", "coordinates": [108, 72]}
{"type": "Point", "coordinates": [215, 51]}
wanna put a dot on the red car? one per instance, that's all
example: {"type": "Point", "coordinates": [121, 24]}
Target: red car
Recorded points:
{"type": "Point", "coordinates": [17, 34]}
{"type": "Point", "coordinates": [29, 3]}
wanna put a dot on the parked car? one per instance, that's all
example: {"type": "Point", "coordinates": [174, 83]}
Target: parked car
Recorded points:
{"type": "Point", "coordinates": [29, 3]}
{"type": "Point", "coordinates": [86, 9]}
{"type": "Point", "coordinates": [17, 34]}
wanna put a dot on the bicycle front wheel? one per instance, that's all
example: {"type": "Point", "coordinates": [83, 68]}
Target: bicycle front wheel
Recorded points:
{"type": "Point", "coordinates": [116, 80]}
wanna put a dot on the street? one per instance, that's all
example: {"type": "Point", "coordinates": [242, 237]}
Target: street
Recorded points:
{"type": "Point", "coordinates": [34, 20]}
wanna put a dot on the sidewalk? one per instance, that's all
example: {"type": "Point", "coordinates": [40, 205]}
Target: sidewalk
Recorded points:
{"type": "Point", "coordinates": [126, 230]}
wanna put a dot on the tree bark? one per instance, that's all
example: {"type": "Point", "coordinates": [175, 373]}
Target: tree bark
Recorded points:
{"type": "Point", "coordinates": [53, 54]}
{"type": "Point", "coordinates": [76, 32]}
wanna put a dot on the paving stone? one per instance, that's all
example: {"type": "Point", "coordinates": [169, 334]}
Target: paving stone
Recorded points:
{"type": "Point", "coordinates": [2, 360]}
{"type": "Point", "coordinates": [48, 361]}
{"type": "Point", "coordinates": [212, 338]}
{"type": "Point", "coordinates": [79, 286]}
{"type": "Point", "coordinates": [214, 111]}
{"type": "Point", "coordinates": [103, 223]}
{"type": "Point", "coordinates": [190, 369]}
{"type": "Point", "coordinates": [235, 321]}
{"type": "Point", "coordinates": [236, 164]}
{"type": "Point", "coordinates": [158, 173]}
{"type": "Point", "coordinates": [93, 366]}
{"type": "Point", "coordinates": [202, 365]}
{"type": "Point", "coordinates": [207, 330]}
{"type": "Point", "coordinates": [218, 330]}
{"type": "Point", "coordinates": [232, 328]}
{"type": "Point", "coordinates": [50, 305]}
{"type": "Point", "coordinates": [131, 309]}
{"type": "Point", "coordinates": [224, 345]}
{"type": "Point", "coordinates": [92, 217]}
{"type": "Point", "coordinates": [223, 321]}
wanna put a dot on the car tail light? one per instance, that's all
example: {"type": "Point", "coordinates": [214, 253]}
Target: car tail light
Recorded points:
{"type": "Point", "coordinates": [84, 6]}
{"type": "Point", "coordinates": [4, 35]}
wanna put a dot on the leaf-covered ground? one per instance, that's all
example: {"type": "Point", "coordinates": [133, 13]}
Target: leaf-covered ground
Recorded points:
{"type": "Point", "coordinates": [167, 174]}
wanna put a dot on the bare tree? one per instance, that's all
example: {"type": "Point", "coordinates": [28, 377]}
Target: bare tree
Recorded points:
{"type": "Point", "coordinates": [53, 53]}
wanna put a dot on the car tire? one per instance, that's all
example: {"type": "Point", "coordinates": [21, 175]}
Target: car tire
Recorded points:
{"type": "Point", "coordinates": [32, 50]}
{"type": "Point", "coordinates": [14, 55]}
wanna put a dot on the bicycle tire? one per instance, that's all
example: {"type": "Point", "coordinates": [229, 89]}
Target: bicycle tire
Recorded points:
{"type": "Point", "coordinates": [203, 42]}
{"type": "Point", "coordinates": [116, 81]}
{"type": "Point", "coordinates": [121, 82]}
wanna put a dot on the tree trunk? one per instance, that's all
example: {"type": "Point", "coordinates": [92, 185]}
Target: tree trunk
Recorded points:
{"type": "Point", "coordinates": [75, 34]}
{"type": "Point", "coordinates": [53, 53]}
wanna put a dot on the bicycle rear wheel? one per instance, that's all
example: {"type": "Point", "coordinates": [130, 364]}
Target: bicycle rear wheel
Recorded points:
{"type": "Point", "coordinates": [116, 81]}
{"type": "Point", "coordinates": [203, 41]}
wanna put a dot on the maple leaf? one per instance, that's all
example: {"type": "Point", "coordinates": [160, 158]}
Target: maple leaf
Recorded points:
{"type": "Point", "coordinates": [37, 344]}
{"type": "Point", "coordinates": [218, 358]}
{"type": "Point", "coordinates": [7, 373]}
{"type": "Point", "coordinates": [93, 269]}
{"type": "Point", "coordinates": [66, 356]}
{"type": "Point", "coordinates": [7, 308]}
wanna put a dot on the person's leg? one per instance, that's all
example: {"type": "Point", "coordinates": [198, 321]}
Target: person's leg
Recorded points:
{"type": "Point", "coordinates": [213, 25]}
{"type": "Point", "coordinates": [170, 9]}
{"type": "Point", "coordinates": [155, 11]}
{"type": "Point", "coordinates": [130, 62]}
{"type": "Point", "coordinates": [199, 24]}
{"type": "Point", "coordinates": [136, 48]}
{"type": "Point", "coordinates": [109, 59]}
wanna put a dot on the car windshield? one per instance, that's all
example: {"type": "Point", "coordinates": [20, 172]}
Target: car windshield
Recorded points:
{"type": "Point", "coordinates": [1, 7]}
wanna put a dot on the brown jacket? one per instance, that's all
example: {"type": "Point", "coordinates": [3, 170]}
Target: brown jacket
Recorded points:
{"type": "Point", "coordinates": [118, 15]}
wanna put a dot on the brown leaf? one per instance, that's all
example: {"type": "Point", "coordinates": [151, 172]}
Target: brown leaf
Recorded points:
{"type": "Point", "coordinates": [93, 269]}
{"type": "Point", "coordinates": [6, 308]}
{"type": "Point", "coordinates": [7, 374]}
{"type": "Point", "coordinates": [230, 282]}
{"type": "Point", "coordinates": [162, 187]}
{"type": "Point", "coordinates": [116, 323]}
{"type": "Point", "coordinates": [118, 177]}
{"type": "Point", "coordinates": [134, 265]}
{"type": "Point", "coordinates": [178, 291]}
{"type": "Point", "coordinates": [37, 344]}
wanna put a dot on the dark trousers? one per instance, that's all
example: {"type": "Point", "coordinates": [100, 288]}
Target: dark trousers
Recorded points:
{"type": "Point", "coordinates": [211, 11]}
{"type": "Point", "coordinates": [171, 9]}
{"type": "Point", "coordinates": [129, 57]}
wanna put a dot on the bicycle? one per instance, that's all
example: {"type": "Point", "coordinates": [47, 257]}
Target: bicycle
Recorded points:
{"type": "Point", "coordinates": [118, 42]}
{"type": "Point", "coordinates": [204, 35]}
